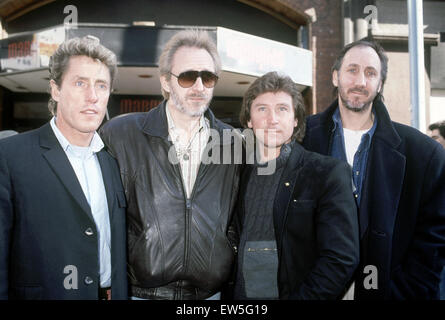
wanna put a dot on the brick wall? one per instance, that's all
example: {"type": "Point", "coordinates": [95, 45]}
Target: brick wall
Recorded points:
{"type": "Point", "coordinates": [326, 43]}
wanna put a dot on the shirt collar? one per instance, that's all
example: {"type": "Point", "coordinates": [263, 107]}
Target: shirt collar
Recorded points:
{"type": "Point", "coordinates": [96, 143]}
{"type": "Point", "coordinates": [338, 124]}
{"type": "Point", "coordinates": [374, 125]}
{"type": "Point", "coordinates": [171, 124]}
{"type": "Point", "coordinates": [337, 120]}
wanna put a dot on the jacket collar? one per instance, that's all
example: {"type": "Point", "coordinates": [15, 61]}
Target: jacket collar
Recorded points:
{"type": "Point", "coordinates": [385, 129]}
{"type": "Point", "coordinates": [155, 123]}
{"type": "Point", "coordinates": [47, 138]}
{"type": "Point", "coordinates": [96, 143]}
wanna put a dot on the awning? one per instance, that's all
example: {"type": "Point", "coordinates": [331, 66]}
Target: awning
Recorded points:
{"type": "Point", "coordinates": [24, 57]}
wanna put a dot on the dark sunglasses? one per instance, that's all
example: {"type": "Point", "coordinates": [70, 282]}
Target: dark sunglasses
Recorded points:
{"type": "Point", "coordinates": [188, 78]}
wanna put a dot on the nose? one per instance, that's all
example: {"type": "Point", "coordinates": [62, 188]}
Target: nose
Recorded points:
{"type": "Point", "coordinates": [92, 94]}
{"type": "Point", "coordinates": [198, 85]}
{"type": "Point", "coordinates": [360, 80]}
{"type": "Point", "coordinates": [272, 117]}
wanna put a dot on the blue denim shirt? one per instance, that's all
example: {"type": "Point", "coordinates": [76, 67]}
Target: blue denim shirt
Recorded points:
{"type": "Point", "coordinates": [361, 156]}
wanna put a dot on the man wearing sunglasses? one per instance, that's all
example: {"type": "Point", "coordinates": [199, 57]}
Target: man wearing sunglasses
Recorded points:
{"type": "Point", "coordinates": [179, 205]}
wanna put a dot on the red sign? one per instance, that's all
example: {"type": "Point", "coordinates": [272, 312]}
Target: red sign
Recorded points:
{"type": "Point", "coordinates": [19, 49]}
{"type": "Point", "coordinates": [138, 105]}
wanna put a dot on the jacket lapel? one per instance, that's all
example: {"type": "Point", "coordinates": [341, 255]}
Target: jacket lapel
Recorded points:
{"type": "Point", "coordinates": [59, 163]}
{"type": "Point", "coordinates": [107, 179]}
{"type": "Point", "coordinates": [382, 189]}
{"type": "Point", "coordinates": [379, 205]}
{"type": "Point", "coordinates": [384, 177]}
{"type": "Point", "coordinates": [284, 192]}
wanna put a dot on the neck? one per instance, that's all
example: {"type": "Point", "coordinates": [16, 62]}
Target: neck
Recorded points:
{"type": "Point", "coordinates": [182, 121]}
{"type": "Point", "coordinates": [76, 138]}
{"type": "Point", "coordinates": [267, 154]}
{"type": "Point", "coordinates": [356, 120]}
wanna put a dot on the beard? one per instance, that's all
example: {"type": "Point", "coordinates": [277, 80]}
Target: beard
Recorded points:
{"type": "Point", "coordinates": [356, 105]}
{"type": "Point", "coordinates": [180, 104]}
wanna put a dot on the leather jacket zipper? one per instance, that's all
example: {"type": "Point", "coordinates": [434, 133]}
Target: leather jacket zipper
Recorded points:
{"type": "Point", "coordinates": [188, 207]}
{"type": "Point", "coordinates": [188, 215]}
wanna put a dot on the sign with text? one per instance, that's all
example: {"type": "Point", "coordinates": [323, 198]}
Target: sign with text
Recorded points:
{"type": "Point", "coordinates": [30, 51]}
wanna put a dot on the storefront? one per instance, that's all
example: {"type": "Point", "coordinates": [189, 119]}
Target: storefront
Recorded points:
{"type": "Point", "coordinates": [25, 56]}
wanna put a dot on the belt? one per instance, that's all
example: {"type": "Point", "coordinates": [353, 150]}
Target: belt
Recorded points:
{"type": "Point", "coordinates": [105, 293]}
{"type": "Point", "coordinates": [171, 292]}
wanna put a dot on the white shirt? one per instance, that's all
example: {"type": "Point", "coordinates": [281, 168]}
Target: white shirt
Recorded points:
{"type": "Point", "coordinates": [189, 156]}
{"type": "Point", "coordinates": [87, 168]}
{"type": "Point", "coordinates": [352, 142]}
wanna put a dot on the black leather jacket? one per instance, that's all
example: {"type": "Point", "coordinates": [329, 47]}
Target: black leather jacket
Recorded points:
{"type": "Point", "coordinates": [178, 247]}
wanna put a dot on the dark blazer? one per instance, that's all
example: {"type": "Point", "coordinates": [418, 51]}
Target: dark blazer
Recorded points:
{"type": "Point", "coordinates": [315, 224]}
{"type": "Point", "coordinates": [402, 210]}
{"type": "Point", "coordinates": [45, 221]}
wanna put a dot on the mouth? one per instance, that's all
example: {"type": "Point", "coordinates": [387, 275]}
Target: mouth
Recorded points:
{"type": "Point", "coordinates": [359, 93]}
{"type": "Point", "coordinates": [89, 112]}
{"type": "Point", "coordinates": [272, 131]}
{"type": "Point", "coordinates": [196, 97]}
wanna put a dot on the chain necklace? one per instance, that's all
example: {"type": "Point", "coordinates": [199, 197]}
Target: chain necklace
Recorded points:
{"type": "Point", "coordinates": [185, 153]}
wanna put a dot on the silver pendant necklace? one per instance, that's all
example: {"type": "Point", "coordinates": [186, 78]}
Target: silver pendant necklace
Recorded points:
{"type": "Point", "coordinates": [186, 156]}
{"type": "Point", "coordinates": [185, 153]}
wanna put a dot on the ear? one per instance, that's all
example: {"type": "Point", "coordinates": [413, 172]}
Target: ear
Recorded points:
{"type": "Point", "coordinates": [295, 122]}
{"type": "Point", "coordinates": [249, 124]}
{"type": "Point", "coordinates": [165, 84]}
{"type": "Point", "coordinates": [335, 78]}
{"type": "Point", "coordinates": [55, 92]}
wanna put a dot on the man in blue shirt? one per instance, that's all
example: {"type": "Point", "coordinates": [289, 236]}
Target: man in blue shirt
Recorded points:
{"type": "Point", "coordinates": [398, 178]}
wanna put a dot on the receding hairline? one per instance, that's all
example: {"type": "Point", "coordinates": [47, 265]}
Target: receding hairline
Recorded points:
{"type": "Point", "coordinates": [361, 46]}
{"type": "Point", "coordinates": [188, 47]}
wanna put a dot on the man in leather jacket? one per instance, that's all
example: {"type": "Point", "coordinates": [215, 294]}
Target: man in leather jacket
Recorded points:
{"type": "Point", "coordinates": [179, 206]}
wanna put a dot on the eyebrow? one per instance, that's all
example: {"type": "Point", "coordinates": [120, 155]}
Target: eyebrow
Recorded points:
{"type": "Point", "coordinates": [87, 79]}
{"type": "Point", "coordinates": [259, 104]}
{"type": "Point", "coordinates": [266, 105]}
{"type": "Point", "coordinates": [357, 65]}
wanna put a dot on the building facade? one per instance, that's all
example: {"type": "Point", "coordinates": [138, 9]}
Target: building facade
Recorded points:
{"type": "Point", "coordinates": [269, 31]}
